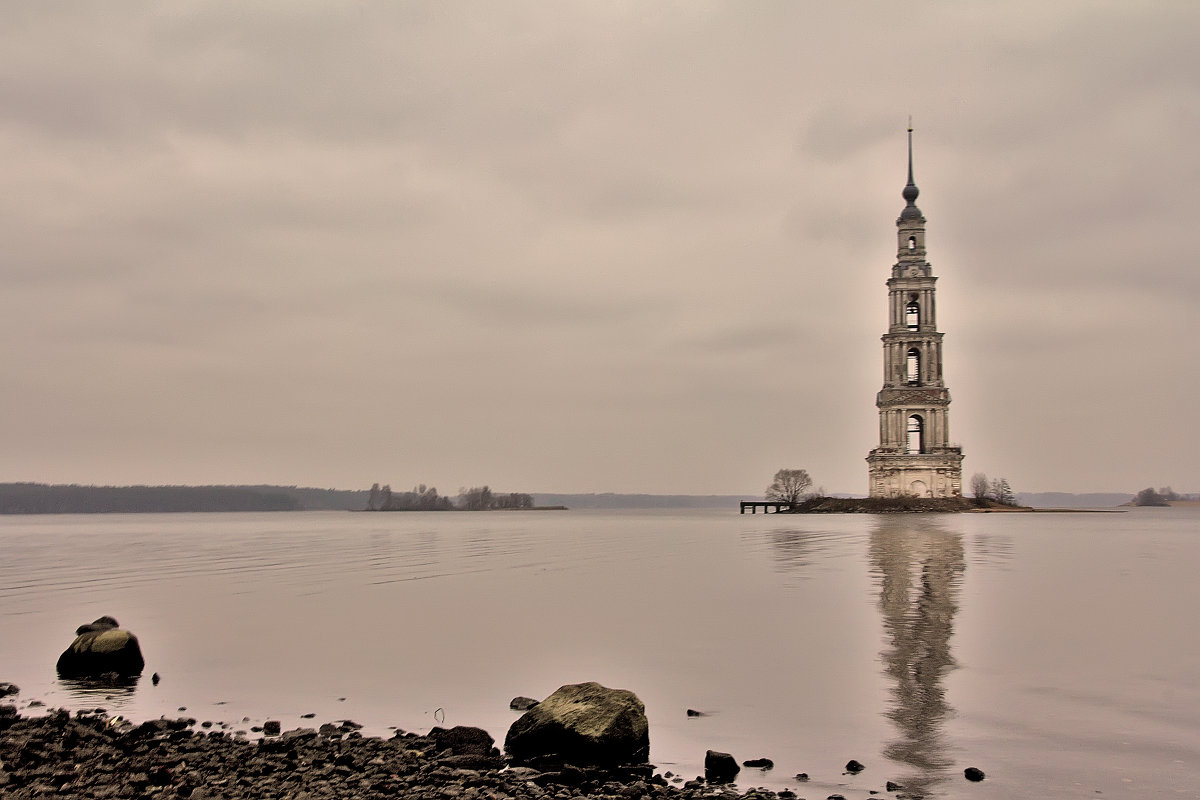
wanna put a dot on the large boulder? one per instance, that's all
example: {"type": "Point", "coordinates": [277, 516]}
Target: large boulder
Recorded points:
{"type": "Point", "coordinates": [101, 648]}
{"type": "Point", "coordinates": [582, 724]}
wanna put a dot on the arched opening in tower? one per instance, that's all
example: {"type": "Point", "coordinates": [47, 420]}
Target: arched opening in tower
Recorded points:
{"type": "Point", "coordinates": [912, 314]}
{"type": "Point", "coordinates": [914, 367]}
{"type": "Point", "coordinates": [916, 434]}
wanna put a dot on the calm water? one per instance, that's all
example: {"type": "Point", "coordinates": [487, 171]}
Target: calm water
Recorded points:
{"type": "Point", "coordinates": [1057, 652]}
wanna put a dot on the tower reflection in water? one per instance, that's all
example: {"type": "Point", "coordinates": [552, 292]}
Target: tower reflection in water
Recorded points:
{"type": "Point", "coordinates": [917, 565]}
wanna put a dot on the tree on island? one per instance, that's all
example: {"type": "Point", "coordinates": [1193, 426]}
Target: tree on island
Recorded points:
{"type": "Point", "coordinates": [1149, 497]}
{"type": "Point", "coordinates": [477, 498]}
{"type": "Point", "coordinates": [996, 491]}
{"type": "Point", "coordinates": [513, 500]}
{"type": "Point", "coordinates": [373, 501]}
{"type": "Point", "coordinates": [426, 498]}
{"type": "Point", "coordinates": [1002, 493]}
{"type": "Point", "coordinates": [789, 486]}
{"type": "Point", "coordinates": [421, 498]}
{"type": "Point", "coordinates": [482, 498]}
{"type": "Point", "coordinates": [979, 488]}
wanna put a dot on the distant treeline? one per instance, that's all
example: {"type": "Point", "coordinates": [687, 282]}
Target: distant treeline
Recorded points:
{"type": "Point", "coordinates": [41, 498]}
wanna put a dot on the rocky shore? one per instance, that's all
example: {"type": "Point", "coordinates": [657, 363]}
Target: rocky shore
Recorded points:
{"type": "Point", "coordinates": [882, 505]}
{"type": "Point", "coordinates": [90, 754]}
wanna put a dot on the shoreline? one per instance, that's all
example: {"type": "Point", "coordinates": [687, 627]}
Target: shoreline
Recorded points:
{"type": "Point", "coordinates": [902, 504]}
{"type": "Point", "coordinates": [90, 754]}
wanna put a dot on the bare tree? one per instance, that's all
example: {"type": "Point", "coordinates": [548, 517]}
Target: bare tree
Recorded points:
{"type": "Point", "coordinates": [789, 485]}
{"type": "Point", "coordinates": [979, 486]}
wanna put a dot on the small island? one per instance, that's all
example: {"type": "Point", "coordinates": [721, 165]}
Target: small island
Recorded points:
{"type": "Point", "coordinates": [426, 498]}
{"type": "Point", "coordinates": [789, 494]}
{"type": "Point", "coordinates": [1164, 497]}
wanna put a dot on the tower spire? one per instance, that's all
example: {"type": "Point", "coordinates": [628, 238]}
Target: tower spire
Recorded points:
{"type": "Point", "coordinates": [910, 189]}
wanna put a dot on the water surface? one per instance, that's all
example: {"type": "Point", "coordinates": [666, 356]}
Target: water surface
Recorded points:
{"type": "Point", "coordinates": [1057, 652]}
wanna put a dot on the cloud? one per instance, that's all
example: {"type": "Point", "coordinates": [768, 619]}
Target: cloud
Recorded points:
{"type": "Point", "coordinates": [587, 246]}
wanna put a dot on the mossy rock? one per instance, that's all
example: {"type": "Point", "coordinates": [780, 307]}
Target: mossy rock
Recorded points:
{"type": "Point", "coordinates": [101, 648]}
{"type": "Point", "coordinates": [582, 724]}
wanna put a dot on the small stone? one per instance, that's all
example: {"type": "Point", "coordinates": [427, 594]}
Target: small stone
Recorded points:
{"type": "Point", "coordinates": [759, 763]}
{"type": "Point", "coordinates": [892, 786]}
{"type": "Point", "coordinates": [272, 727]}
{"type": "Point", "coordinates": [8, 688]}
{"type": "Point", "coordinates": [522, 703]}
{"type": "Point", "coordinates": [691, 712]}
{"type": "Point", "coordinates": [155, 679]}
{"type": "Point", "coordinates": [309, 715]}
{"type": "Point", "coordinates": [973, 774]}
{"type": "Point", "coordinates": [802, 776]}
{"type": "Point", "coordinates": [854, 767]}
{"type": "Point", "coordinates": [720, 767]}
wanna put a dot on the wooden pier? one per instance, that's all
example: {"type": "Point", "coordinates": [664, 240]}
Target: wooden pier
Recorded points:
{"type": "Point", "coordinates": [768, 506]}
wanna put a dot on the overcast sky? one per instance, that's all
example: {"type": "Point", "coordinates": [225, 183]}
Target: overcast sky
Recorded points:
{"type": "Point", "coordinates": [591, 246]}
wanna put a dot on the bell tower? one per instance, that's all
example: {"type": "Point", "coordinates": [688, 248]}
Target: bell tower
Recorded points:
{"type": "Point", "coordinates": [914, 456]}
